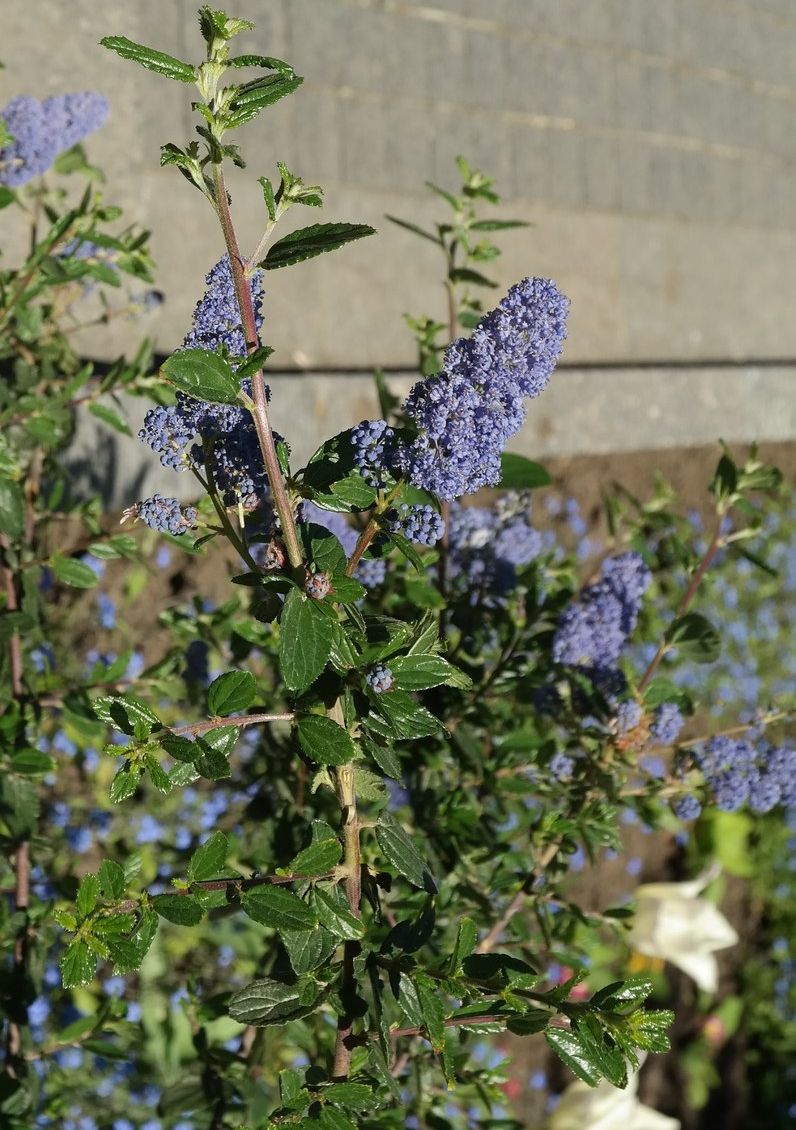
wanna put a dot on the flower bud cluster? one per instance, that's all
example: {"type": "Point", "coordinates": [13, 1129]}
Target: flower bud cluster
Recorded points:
{"type": "Point", "coordinates": [488, 546]}
{"type": "Point", "coordinates": [373, 442]}
{"type": "Point", "coordinates": [164, 514]}
{"type": "Point", "coordinates": [42, 130]}
{"type": "Point", "coordinates": [737, 773]}
{"type": "Point", "coordinates": [420, 524]}
{"type": "Point", "coordinates": [318, 585]}
{"type": "Point", "coordinates": [380, 679]}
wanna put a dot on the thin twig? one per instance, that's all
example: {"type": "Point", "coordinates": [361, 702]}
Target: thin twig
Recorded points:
{"type": "Point", "coordinates": [234, 720]}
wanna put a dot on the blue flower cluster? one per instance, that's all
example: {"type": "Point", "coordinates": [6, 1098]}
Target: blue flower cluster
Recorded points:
{"type": "Point", "coordinates": [667, 724]}
{"type": "Point", "coordinates": [592, 631]}
{"type": "Point", "coordinates": [488, 546]}
{"type": "Point", "coordinates": [380, 679]}
{"type": "Point", "coordinates": [373, 443]}
{"type": "Point", "coordinates": [228, 446]}
{"type": "Point", "coordinates": [420, 524]}
{"type": "Point", "coordinates": [164, 514]}
{"type": "Point", "coordinates": [466, 414]}
{"type": "Point", "coordinates": [736, 773]}
{"type": "Point", "coordinates": [370, 571]}
{"type": "Point", "coordinates": [216, 317]}
{"type": "Point", "coordinates": [42, 130]}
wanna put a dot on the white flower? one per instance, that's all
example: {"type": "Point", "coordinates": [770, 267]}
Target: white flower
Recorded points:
{"type": "Point", "coordinates": [672, 923]}
{"type": "Point", "coordinates": [605, 1107]}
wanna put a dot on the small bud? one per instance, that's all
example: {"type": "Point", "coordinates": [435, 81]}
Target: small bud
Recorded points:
{"type": "Point", "coordinates": [274, 557]}
{"type": "Point", "coordinates": [318, 585]}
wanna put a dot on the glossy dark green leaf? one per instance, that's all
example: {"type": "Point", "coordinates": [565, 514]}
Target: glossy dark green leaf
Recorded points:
{"type": "Point", "coordinates": [400, 851]}
{"type": "Point", "coordinates": [571, 1052]}
{"type": "Point", "coordinates": [183, 910]}
{"type": "Point", "coordinates": [155, 61]}
{"type": "Point", "coordinates": [209, 859]}
{"type": "Point", "coordinates": [278, 908]}
{"type": "Point", "coordinates": [255, 96]}
{"type": "Point", "coordinates": [406, 718]}
{"type": "Point", "coordinates": [112, 880]}
{"type": "Point", "coordinates": [306, 243]}
{"type": "Point", "coordinates": [333, 913]}
{"type": "Point", "coordinates": [318, 858]}
{"type": "Point", "coordinates": [420, 672]}
{"type": "Point", "coordinates": [266, 1001]}
{"type": "Point", "coordinates": [305, 641]}
{"type": "Point", "coordinates": [231, 693]}
{"type": "Point", "coordinates": [87, 895]}
{"type": "Point", "coordinates": [202, 374]}
{"type": "Point", "coordinates": [324, 741]}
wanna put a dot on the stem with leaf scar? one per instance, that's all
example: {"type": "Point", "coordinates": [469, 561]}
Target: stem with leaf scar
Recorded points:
{"type": "Point", "coordinates": [259, 409]}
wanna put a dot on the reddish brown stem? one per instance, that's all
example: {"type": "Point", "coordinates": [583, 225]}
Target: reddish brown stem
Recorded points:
{"type": "Point", "coordinates": [259, 409]}
{"type": "Point", "coordinates": [353, 885]}
{"type": "Point", "coordinates": [235, 720]}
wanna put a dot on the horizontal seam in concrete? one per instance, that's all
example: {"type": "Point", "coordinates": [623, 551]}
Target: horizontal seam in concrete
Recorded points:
{"type": "Point", "coordinates": [634, 54]}
{"type": "Point", "coordinates": [678, 142]}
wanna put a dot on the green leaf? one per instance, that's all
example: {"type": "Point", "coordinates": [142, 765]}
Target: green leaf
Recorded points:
{"type": "Point", "coordinates": [278, 908]}
{"type": "Point", "coordinates": [255, 96]}
{"type": "Point", "coordinates": [306, 243]}
{"type": "Point", "coordinates": [414, 229]}
{"type": "Point", "coordinates": [498, 225]}
{"type": "Point", "coordinates": [419, 672]}
{"type": "Point", "coordinates": [621, 994]}
{"type": "Point", "coordinates": [308, 949]}
{"type": "Point", "coordinates": [519, 473]}
{"type": "Point", "coordinates": [324, 741]}
{"type": "Point", "coordinates": [695, 638]}
{"type": "Point", "coordinates": [230, 693]}
{"type": "Point", "coordinates": [87, 895]}
{"type": "Point", "coordinates": [124, 783]}
{"type": "Point", "coordinates": [31, 762]}
{"type": "Point", "coordinates": [305, 641]}
{"type": "Point", "coordinates": [432, 1009]}
{"type": "Point", "coordinates": [202, 374]}
{"type": "Point", "coordinates": [529, 1023]}
{"type": "Point", "coordinates": [254, 362]}
{"type": "Point", "coordinates": [156, 61]}
{"type": "Point", "coordinates": [318, 858]}
{"type": "Point", "coordinates": [265, 1002]}
{"type": "Point", "coordinates": [71, 572]}
{"type": "Point", "coordinates": [78, 965]}
{"type": "Point", "coordinates": [605, 1056]}
{"type": "Point", "coordinates": [183, 910]}
{"type": "Point", "coordinates": [466, 939]}
{"type": "Point", "coordinates": [385, 758]}
{"type": "Point", "coordinates": [112, 880]}
{"type": "Point", "coordinates": [571, 1052]}
{"type": "Point", "coordinates": [12, 508]}
{"type": "Point", "coordinates": [355, 1096]}
{"type": "Point", "coordinates": [406, 718]}
{"type": "Point", "coordinates": [124, 711]}
{"type": "Point", "coordinates": [209, 859]}
{"type": "Point", "coordinates": [399, 850]}
{"type": "Point", "coordinates": [111, 417]}
{"type": "Point", "coordinates": [466, 275]}
{"type": "Point", "coordinates": [334, 913]}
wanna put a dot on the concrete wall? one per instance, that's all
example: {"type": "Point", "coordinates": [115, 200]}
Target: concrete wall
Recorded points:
{"type": "Point", "coordinates": [650, 142]}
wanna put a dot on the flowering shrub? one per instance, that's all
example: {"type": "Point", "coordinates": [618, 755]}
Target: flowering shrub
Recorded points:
{"type": "Point", "coordinates": [357, 784]}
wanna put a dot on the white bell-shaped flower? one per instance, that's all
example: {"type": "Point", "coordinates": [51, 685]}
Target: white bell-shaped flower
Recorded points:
{"type": "Point", "coordinates": [606, 1107]}
{"type": "Point", "coordinates": [673, 923]}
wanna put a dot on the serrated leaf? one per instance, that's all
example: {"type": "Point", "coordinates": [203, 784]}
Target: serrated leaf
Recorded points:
{"type": "Point", "coordinates": [209, 859]}
{"type": "Point", "coordinates": [306, 948]}
{"type": "Point", "coordinates": [334, 913]}
{"type": "Point", "coordinates": [570, 1051]}
{"type": "Point", "coordinates": [400, 851]}
{"type": "Point", "coordinates": [386, 759]}
{"type": "Point", "coordinates": [87, 895]}
{"type": "Point", "coordinates": [231, 693]}
{"type": "Point", "coordinates": [255, 96]}
{"type": "Point", "coordinates": [466, 939]}
{"type": "Point", "coordinates": [305, 641]}
{"type": "Point", "coordinates": [407, 718]}
{"type": "Point", "coordinates": [278, 908]}
{"type": "Point", "coordinates": [124, 783]}
{"type": "Point", "coordinates": [420, 672]}
{"type": "Point", "coordinates": [71, 572]}
{"type": "Point", "coordinates": [317, 859]}
{"type": "Point", "coordinates": [182, 910]}
{"type": "Point", "coordinates": [519, 473]}
{"type": "Point", "coordinates": [32, 762]}
{"type": "Point", "coordinates": [111, 878]}
{"type": "Point", "coordinates": [78, 965]}
{"type": "Point", "coordinates": [156, 61]}
{"type": "Point", "coordinates": [355, 1096]}
{"type": "Point", "coordinates": [265, 1002]}
{"type": "Point", "coordinates": [306, 243]}
{"type": "Point", "coordinates": [528, 1023]}
{"type": "Point", "coordinates": [123, 712]}
{"type": "Point", "coordinates": [324, 741]}
{"type": "Point", "coordinates": [202, 374]}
